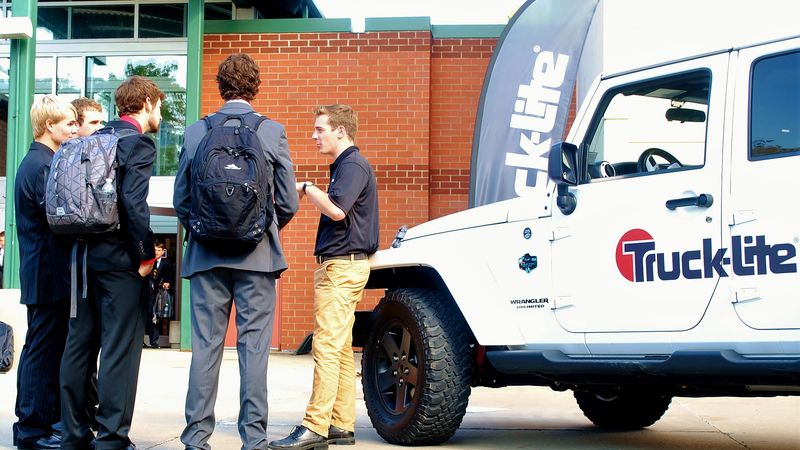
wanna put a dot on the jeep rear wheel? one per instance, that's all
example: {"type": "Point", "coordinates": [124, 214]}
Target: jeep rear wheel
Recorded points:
{"type": "Point", "coordinates": [622, 411]}
{"type": "Point", "coordinates": [416, 368]}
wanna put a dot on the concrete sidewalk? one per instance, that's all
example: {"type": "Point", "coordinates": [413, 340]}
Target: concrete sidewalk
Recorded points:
{"type": "Point", "coordinates": [508, 418]}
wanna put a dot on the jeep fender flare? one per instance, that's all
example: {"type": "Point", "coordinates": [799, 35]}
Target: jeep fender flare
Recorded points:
{"type": "Point", "coordinates": [475, 295]}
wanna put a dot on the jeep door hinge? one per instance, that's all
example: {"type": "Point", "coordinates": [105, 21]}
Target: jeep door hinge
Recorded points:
{"type": "Point", "coordinates": [745, 295]}
{"type": "Point", "coordinates": [743, 216]}
{"type": "Point", "coordinates": [560, 233]}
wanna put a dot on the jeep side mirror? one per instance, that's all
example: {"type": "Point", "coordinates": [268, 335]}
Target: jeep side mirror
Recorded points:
{"type": "Point", "coordinates": [562, 168]}
{"type": "Point", "coordinates": [562, 165]}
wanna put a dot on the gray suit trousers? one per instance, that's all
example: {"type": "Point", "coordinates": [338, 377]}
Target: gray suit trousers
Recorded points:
{"type": "Point", "coordinates": [213, 291]}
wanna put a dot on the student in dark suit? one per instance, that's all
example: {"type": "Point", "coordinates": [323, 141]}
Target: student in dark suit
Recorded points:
{"type": "Point", "coordinates": [90, 119]}
{"type": "Point", "coordinates": [160, 278]}
{"type": "Point", "coordinates": [248, 278]}
{"type": "Point", "coordinates": [116, 307]}
{"type": "Point", "coordinates": [44, 280]}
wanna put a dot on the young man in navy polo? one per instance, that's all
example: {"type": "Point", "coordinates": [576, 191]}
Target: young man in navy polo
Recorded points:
{"type": "Point", "coordinates": [347, 234]}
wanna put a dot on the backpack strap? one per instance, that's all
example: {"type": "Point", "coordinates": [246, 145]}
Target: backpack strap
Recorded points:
{"type": "Point", "coordinates": [250, 119]}
{"type": "Point", "coordinates": [73, 266]}
{"type": "Point", "coordinates": [73, 293]}
{"type": "Point", "coordinates": [253, 120]}
{"type": "Point", "coordinates": [122, 132]}
{"type": "Point", "coordinates": [217, 120]}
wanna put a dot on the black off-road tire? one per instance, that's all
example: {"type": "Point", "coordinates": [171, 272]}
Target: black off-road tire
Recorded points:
{"type": "Point", "coordinates": [622, 411]}
{"type": "Point", "coordinates": [416, 368]}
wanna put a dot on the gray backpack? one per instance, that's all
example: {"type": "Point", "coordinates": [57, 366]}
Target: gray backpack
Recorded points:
{"type": "Point", "coordinates": [6, 347]}
{"type": "Point", "coordinates": [81, 192]}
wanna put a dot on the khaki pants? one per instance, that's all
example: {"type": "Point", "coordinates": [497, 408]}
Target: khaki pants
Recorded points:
{"type": "Point", "coordinates": [338, 287]}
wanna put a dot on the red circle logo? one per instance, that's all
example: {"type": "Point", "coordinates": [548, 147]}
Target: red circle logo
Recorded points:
{"type": "Point", "coordinates": [625, 261]}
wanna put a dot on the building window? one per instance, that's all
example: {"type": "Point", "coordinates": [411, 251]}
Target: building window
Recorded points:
{"type": "Point", "coordinates": [162, 21]}
{"type": "Point", "coordinates": [218, 11]}
{"type": "Point", "coordinates": [98, 22]}
{"type": "Point", "coordinates": [44, 73]}
{"type": "Point", "coordinates": [84, 22]}
{"type": "Point", "coordinates": [69, 76]}
{"type": "Point", "coordinates": [74, 20]}
{"type": "Point", "coordinates": [775, 107]}
{"type": "Point", "coordinates": [52, 23]}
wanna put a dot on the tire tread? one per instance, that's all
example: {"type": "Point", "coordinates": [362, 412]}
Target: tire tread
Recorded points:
{"type": "Point", "coordinates": [447, 374]}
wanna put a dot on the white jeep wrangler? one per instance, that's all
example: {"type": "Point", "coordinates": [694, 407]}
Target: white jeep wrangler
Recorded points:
{"type": "Point", "coordinates": [658, 260]}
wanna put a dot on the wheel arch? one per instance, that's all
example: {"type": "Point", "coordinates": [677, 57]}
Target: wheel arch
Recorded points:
{"type": "Point", "coordinates": [418, 276]}
{"type": "Point", "coordinates": [395, 278]}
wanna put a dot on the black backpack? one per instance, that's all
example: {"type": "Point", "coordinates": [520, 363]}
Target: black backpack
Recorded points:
{"type": "Point", "coordinates": [231, 185]}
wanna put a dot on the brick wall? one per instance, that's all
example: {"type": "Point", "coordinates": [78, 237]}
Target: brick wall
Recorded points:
{"type": "Point", "coordinates": [457, 70]}
{"type": "Point", "coordinates": [416, 100]}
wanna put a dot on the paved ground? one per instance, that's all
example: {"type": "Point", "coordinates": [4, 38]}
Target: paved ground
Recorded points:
{"type": "Point", "coordinates": [508, 418]}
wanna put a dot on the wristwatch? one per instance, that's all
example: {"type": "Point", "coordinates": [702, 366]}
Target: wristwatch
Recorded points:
{"type": "Point", "coordinates": [306, 184]}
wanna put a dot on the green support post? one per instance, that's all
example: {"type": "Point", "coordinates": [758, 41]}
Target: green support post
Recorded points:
{"type": "Point", "coordinates": [194, 87]}
{"type": "Point", "coordinates": [20, 135]}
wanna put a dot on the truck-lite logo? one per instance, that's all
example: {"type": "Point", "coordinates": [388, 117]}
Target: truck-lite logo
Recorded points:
{"type": "Point", "coordinates": [536, 110]}
{"type": "Point", "coordinates": [638, 260]}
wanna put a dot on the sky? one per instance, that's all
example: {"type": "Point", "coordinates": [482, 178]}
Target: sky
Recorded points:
{"type": "Point", "coordinates": [441, 12]}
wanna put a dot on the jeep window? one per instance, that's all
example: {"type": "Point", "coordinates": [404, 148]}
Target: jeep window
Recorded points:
{"type": "Point", "coordinates": [651, 127]}
{"type": "Point", "coordinates": [775, 107]}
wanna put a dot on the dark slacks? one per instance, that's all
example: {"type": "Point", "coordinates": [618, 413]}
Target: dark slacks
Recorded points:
{"type": "Point", "coordinates": [38, 401]}
{"type": "Point", "coordinates": [115, 312]}
{"type": "Point", "coordinates": [213, 292]}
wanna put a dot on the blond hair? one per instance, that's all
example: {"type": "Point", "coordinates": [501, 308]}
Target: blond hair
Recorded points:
{"type": "Point", "coordinates": [49, 107]}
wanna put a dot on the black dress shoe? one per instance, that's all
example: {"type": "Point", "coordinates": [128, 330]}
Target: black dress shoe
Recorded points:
{"type": "Point", "coordinates": [46, 442]}
{"type": "Point", "coordinates": [339, 436]}
{"type": "Point", "coordinates": [301, 438]}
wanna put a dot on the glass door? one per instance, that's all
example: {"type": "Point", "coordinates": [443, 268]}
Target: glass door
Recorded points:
{"type": "Point", "coordinates": [105, 73]}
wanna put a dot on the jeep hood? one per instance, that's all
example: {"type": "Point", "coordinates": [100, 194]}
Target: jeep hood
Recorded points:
{"type": "Point", "coordinates": [470, 218]}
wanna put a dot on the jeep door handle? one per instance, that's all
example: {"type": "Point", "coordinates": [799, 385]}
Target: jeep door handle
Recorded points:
{"type": "Point", "coordinates": [702, 201]}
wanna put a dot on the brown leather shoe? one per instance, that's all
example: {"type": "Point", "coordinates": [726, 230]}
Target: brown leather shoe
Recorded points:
{"type": "Point", "coordinates": [339, 436]}
{"type": "Point", "coordinates": [301, 438]}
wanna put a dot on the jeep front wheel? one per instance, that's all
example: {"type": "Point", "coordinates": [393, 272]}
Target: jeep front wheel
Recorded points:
{"type": "Point", "coordinates": [416, 368]}
{"type": "Point", "coordinates": [622, 411]}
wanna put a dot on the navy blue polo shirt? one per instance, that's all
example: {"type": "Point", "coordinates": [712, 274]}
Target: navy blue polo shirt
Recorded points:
{"type": "Point", "coordinates": [353, 189]}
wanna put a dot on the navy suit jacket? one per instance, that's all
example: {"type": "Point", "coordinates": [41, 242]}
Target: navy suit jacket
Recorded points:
{"type": "Point", "coordinates": [43, 256]}
{"type": "Point", "coordinates": [126, 248]}
{"type": "Point", "coordinates": [268, 255]}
